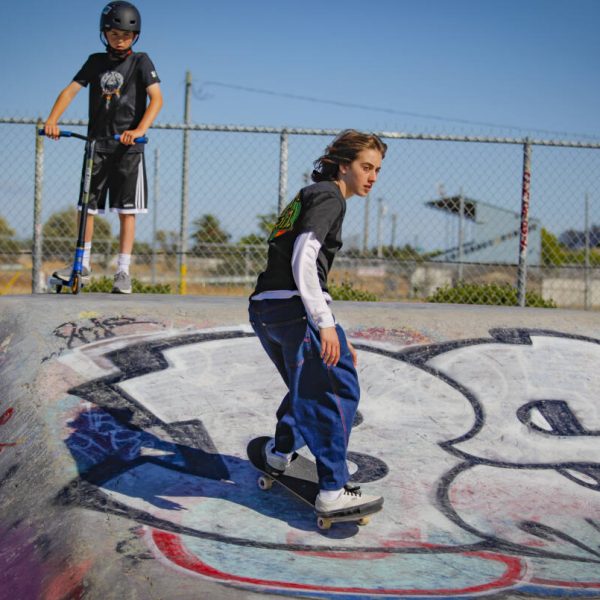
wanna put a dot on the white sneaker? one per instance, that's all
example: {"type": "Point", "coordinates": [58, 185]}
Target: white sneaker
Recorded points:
{"type": "Point", "coordinates": [350, 501]}
{"type": "Point", "coordinates": [276, 461]}
{"type": "Point", "coordinates": [65, 274]}
{"type": "Point", "coordinates": [122, 283]}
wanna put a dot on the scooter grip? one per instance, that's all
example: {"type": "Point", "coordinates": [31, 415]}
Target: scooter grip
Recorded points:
{"type": "Point", "coordinates": [140, 140]}
{"type": "Point", "coordinates": [61, 134]}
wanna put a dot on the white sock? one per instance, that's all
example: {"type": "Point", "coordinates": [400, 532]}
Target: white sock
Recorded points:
{"type": "Point", "coordinates": [87, 252]}
{"type": "Point", "coordinates": [123, 263]}
{"type": "Point", "coordinates": [287, 455]}
{"type": "Point", "coordinates": [330, 495]}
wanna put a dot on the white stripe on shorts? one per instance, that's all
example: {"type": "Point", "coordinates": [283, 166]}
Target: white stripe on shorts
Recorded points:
{"type": "Point", "coordinates": [139, 187]}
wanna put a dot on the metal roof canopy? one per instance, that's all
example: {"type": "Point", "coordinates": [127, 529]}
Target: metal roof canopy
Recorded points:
{"type": "Point", "coordinates": [452, 204]}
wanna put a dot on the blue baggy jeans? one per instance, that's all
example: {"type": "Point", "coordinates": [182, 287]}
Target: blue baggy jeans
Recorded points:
{"type": "Point", "coordinates": [321, 402]}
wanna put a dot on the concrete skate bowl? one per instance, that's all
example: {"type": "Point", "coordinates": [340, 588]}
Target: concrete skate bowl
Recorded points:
{"type": "Point", "coordinates": [123, 474]}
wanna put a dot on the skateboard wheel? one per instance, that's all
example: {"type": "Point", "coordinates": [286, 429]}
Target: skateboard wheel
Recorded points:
{"type": "Point", "coordinates": [323, 523]}
{"type": "Point", "coordinates": [364, 521]}
{"type": "Point", "coordinates": [75, 286]}
{"type": "Point", "coordinates": [265, 483]}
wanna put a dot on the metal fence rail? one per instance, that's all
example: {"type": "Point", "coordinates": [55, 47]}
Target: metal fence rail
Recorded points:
{"type": "Point", "coordinates": [478, 212]}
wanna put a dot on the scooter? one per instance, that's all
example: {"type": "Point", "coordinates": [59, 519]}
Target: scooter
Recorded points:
{"type": "Point", "coordinates": [75, 281]}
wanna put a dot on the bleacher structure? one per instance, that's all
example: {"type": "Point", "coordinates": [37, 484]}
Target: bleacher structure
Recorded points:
{"type": "Point", "coordinates": [494, 232]}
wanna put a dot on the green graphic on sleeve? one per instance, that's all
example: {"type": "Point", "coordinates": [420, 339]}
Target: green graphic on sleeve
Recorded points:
{"type": "Point", "coordinates": [287, 218]}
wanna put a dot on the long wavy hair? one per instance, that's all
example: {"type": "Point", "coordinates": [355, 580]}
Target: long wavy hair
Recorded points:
{"type": "Point", "coordinates": [343, 150]}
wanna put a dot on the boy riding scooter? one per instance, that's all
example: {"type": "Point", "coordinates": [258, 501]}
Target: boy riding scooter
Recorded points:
{"type": "Point", "coordinates": [121, 82]}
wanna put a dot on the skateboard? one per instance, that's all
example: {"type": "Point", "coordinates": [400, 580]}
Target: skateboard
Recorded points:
{"type": "Point", "coordinates": [301, 479]}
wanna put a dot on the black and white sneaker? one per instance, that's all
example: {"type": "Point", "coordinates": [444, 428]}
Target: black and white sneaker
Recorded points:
{"type": "Point", "coordinates": [350, 501]}
{"type": "Point", "coordinates": [276, 462]}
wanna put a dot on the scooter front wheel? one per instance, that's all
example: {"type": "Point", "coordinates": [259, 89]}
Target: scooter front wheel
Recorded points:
{"type": "Point", "coordinates": [75, 287]}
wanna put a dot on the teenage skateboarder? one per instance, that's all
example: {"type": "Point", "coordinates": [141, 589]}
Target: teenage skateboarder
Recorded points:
{"type": "Point", "coordinates": [290, 313]}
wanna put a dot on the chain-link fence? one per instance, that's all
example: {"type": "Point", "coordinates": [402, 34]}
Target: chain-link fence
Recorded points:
{"type": "Point", "coordinates": [481, 217]}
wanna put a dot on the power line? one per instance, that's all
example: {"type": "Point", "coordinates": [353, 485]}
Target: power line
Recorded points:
{"type": "Point", "coordinates": [200, 95]}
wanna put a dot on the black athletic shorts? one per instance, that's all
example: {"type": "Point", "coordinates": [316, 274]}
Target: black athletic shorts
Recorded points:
{"type": "Point", "coordinates": [121, 176]}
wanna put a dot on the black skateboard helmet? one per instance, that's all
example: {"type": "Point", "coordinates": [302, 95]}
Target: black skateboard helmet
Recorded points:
{"type": "Point", "coordinates": [120, 15]}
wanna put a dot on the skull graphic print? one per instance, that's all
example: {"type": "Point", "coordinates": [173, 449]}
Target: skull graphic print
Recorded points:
{"type": "Point", "coordinates": [111, 83]}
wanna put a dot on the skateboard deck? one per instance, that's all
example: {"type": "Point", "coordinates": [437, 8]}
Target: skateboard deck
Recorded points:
{"type": "Point", "coordinates": [301, 479]}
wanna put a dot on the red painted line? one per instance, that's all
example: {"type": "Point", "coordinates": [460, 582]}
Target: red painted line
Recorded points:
{"type": "Point", "coordinates": [344, 555]}
{"type": "Point", "coordinates": [566, 584]}
{"type": "Point", "coordinates": [6, 415]}
{"type": "Point", "coordinates": [171, 546]}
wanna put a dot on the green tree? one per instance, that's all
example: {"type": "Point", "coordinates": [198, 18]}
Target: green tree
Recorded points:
{"type": "Point", "coordinates": [254, 239]}
{"type": "Point", "coordinates": [8, 245]}
{"type": "Point", "coordinates": [265, 226]}
{"type": "Point", "coordinates": [60, 233]}
{"type": "Point", "coordinates": [207, 234]}
{"type": "Point", "coordinates": [168, 243]}
{"type": "Point", "coordinates": [266, 223]}
{"type": "Point", "coordinates": [554, 253]}
{"type": "Point", "coordinates": [142, 252]}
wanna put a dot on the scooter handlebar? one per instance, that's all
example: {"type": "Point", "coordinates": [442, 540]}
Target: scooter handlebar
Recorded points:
{"type": "Point", "coordinates": [64, 133]}
{"type": "Point", "coordinates": [140, 140]}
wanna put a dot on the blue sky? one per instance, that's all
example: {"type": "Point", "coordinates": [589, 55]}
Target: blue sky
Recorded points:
{"type": "Point", "coordinates": [510, 67]}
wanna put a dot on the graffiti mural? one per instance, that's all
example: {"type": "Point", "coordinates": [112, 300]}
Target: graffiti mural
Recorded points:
{"type": "Point", "coordinates": [76, 333]}
{"type": "Point", "coordinates": [485, 450]}
{"type": "Point", "coordinates": [5, 418]}
{"type": "Point", "coordinates": [6, 413]}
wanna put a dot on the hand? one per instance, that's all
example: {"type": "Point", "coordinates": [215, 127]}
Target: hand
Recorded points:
{"type": "Point", "coordinates": [330, 346]}
{"type": "Point", "coordinates": [128, 137]}
{"type": "Point", "coordinates": [52, 130]}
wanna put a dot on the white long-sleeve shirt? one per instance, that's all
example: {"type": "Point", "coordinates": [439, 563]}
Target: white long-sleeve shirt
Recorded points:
{"type": "Point", "coordinates": [302, 247]}
{"type": "Point", "coordinates": [304, 268]}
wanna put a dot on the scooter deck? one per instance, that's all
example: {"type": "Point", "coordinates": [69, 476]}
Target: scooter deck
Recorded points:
{"type": "Point", "coordinates": [57, 284]}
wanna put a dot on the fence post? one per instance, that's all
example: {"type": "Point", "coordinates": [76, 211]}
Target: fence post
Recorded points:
{"type": "Point", "coordinates": [523, 240]}
{"type": "Point", "coordinates": [283, 170]}
{"type": "Point", "coordinates": [380, 214]}
{"type": "Point", "coordinates": [461, 235]}
{"type": "Point", "coordinates": [36, 254]}
{"type": "Point", "coordinates": [586, 264]}
{"type": "Point", "coordinates": [366, 226]}
{"type": "Point", "coordinates": [155, 195]}
{"type": "Point", "coordinates": [183, 233]}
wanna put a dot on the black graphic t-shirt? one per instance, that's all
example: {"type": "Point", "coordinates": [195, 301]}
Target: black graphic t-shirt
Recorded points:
{"type": "Point", "coordinates": [318, 208]}
{"type": "Point", "coordinates": [118, 97]}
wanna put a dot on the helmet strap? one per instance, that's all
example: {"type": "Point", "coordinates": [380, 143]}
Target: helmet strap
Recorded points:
{"type": "Point", "coordinates": [117, 54]}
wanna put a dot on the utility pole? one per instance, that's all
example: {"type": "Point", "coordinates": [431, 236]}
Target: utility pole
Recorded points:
{"type": "Point", "coordinates": [156, 195]}
{"type": "Point", "coordinates": [587, 252]}
{"type": "Point", "coordinates": [183, 227]}
{"type": "Point", "coordinates": [380, 213]}
{"type": "Point", "coordinates": [461, 234]}
{"type": "Point", "coordinates": [524, 236]}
